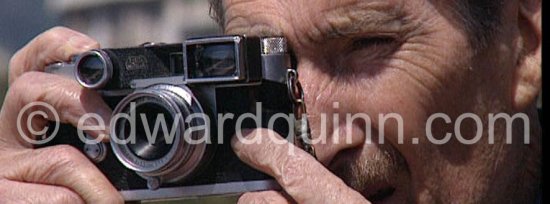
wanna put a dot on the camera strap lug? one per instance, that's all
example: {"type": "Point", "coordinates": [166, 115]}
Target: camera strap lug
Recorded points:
{"type": "Point", "coordinates": [302, 131]}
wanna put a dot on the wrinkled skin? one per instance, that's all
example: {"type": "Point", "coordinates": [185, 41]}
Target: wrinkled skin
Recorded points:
{"type": "Point", "coordinates": [413, 58]}
{"type": "Point", "coordinates": [57, 174]}
{"type": "Point", "coordinates": [407, 57]}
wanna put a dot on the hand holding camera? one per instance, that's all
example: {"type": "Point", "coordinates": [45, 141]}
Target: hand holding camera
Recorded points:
{"type": "Point", "coordinates": [57, 174]}
{"type": "Point", "coordinates": [67, 175]}
{"type": "Point", "coordinates": [202, 91]}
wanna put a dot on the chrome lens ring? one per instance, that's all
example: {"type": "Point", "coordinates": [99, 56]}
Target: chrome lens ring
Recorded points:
{"type": "Point", "coordinates": [182, 158]}
{"type": "Point", "coordinates": [85, 70]}
{"type": "Point", "coordinates": [119, 131]}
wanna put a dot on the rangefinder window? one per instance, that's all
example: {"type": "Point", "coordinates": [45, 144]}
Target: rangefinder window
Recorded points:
{"type": "Point", "coordinates": [91, 67]}
{"type": "Point", "coordinates": [212, 60]}
{"type": "Point", "coordinates": [93, 70]}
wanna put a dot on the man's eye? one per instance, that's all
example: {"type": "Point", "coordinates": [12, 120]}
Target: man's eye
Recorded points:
{"type": "Point", "coordinates": [370, 43]}
{"type": "Point", "coordinates": [374, 47]}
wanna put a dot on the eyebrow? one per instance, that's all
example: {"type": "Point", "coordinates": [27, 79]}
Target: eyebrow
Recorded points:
{"type": "Point", "coordinates": [374, 18]}
{"type": "Point", "coordinates": [244, 26]}
{"type": "Point", "coordinates": [351, 19]}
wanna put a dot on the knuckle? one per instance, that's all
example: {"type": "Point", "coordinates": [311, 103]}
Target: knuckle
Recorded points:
{"type": "Point", "coordinates": [66, 151]}
{"type": "Point", "coordinates": [64, 159]}
{"type": "Point", "coordinates": [64, 35]}
{"type": "Point", "coordinates": [115, 198]}
{"type": "Point", "coordinates": [66, 154]}
{"type": "Point", "coordinates": [258, 197]}
{"type": "Point", "coordinates": [292, 171]}
{"type": "Point", "coordinates": [21, 84]}
{"type": "Point", "coordinates": [15, 60]}
{"type": "Point", "coordinates": [106, 196]}
{"type": "Point", "coordinates": [17, 63]}
{"type": "Point", "coordinates": [247, 198]}
{"type": "Point", "coordinates": [65, 196]}
{"type": "Point", "coordinates": [56, 33]}
{"type": "Point", "coordinates": [27, 77]}
{"type": "Point", "coordinates": [59, 29]}
{"type": "Point", "coordinates": [26, 56]}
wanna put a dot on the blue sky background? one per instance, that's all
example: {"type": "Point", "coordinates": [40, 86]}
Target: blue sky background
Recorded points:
{"type": "Point", "coordinates": [20, 21]}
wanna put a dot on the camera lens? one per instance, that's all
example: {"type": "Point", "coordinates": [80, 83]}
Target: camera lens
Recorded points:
{"type": "Point", "coordinates": [153, 134]}
{"type": "Point", "coordinates": [151, 144]}
{"type": "Point", "coordinates": [93, 70]}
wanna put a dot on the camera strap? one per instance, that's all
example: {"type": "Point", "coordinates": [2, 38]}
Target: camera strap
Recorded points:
{"type": "Point", "coordinates": [302, 131]}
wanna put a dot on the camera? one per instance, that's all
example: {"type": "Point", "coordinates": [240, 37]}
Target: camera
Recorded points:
{"type": "Point", "coordinates": [193, 87]}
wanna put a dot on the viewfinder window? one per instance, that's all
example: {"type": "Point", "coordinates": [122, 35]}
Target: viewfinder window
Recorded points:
{"type": "Point", "coordinates": [211, 60]}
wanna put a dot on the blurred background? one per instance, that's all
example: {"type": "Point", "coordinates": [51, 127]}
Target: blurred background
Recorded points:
{"type": "Point", "coordinates": [114, 23]}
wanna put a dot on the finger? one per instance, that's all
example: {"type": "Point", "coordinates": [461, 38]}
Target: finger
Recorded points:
{"type": "Point", "coordinates": [64, 166]}
{"type": "Point", "coordinates": [303, 178]}
{"type": "Point", "coordinates": [19, 192]}
{"type": "Point", "coordinates": [263, 197]}
{"type": "Point", "coordinates": [67, 99]}
{"type": "Point", "coordinates": [56, 44]}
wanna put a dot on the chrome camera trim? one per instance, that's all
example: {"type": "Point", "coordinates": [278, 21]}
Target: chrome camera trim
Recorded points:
{"type": "Point", "coordinates": [170, 167]}
{"type": "Point", "coordinates": [187, 192]}
{"type": "Point", "coordinates": [107, 72]}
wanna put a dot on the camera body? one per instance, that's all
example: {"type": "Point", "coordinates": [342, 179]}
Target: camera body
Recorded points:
{"type": "Point", "coordinates": [202, 91]}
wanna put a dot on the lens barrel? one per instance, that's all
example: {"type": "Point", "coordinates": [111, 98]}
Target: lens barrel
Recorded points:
{"type": "Point", "coordinates": [140, 142]}
{"type": "Point", "coordinates": [93, 69]}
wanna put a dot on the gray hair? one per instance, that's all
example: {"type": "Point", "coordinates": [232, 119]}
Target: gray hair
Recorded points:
{"type": "Point", "coordinates": [481, 19]}
{"type": "Point", "coordinates": [217, 12]}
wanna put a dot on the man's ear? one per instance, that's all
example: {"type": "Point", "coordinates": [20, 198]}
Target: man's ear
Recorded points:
{"type": "Point", "coordinates": [528, 73]}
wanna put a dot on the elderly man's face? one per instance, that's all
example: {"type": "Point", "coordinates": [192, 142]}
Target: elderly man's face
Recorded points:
{"type": "Point", "coordinates": [413, 58]}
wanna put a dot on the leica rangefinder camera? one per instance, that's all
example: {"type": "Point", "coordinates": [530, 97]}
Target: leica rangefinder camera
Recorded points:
{"type": "Point", "coordinates": [176, 108]}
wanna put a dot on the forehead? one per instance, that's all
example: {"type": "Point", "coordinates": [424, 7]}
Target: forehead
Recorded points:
{"type": "Point", "coordinates": [320, 19]}
{"type": "Point", "coordinates": [265, 17]}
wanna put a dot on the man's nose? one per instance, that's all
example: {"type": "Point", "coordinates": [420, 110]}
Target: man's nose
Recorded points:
{"type": "Point", "coordinates": [345, 138]}
{"type": "Point", "coordinates": [334, 137]}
